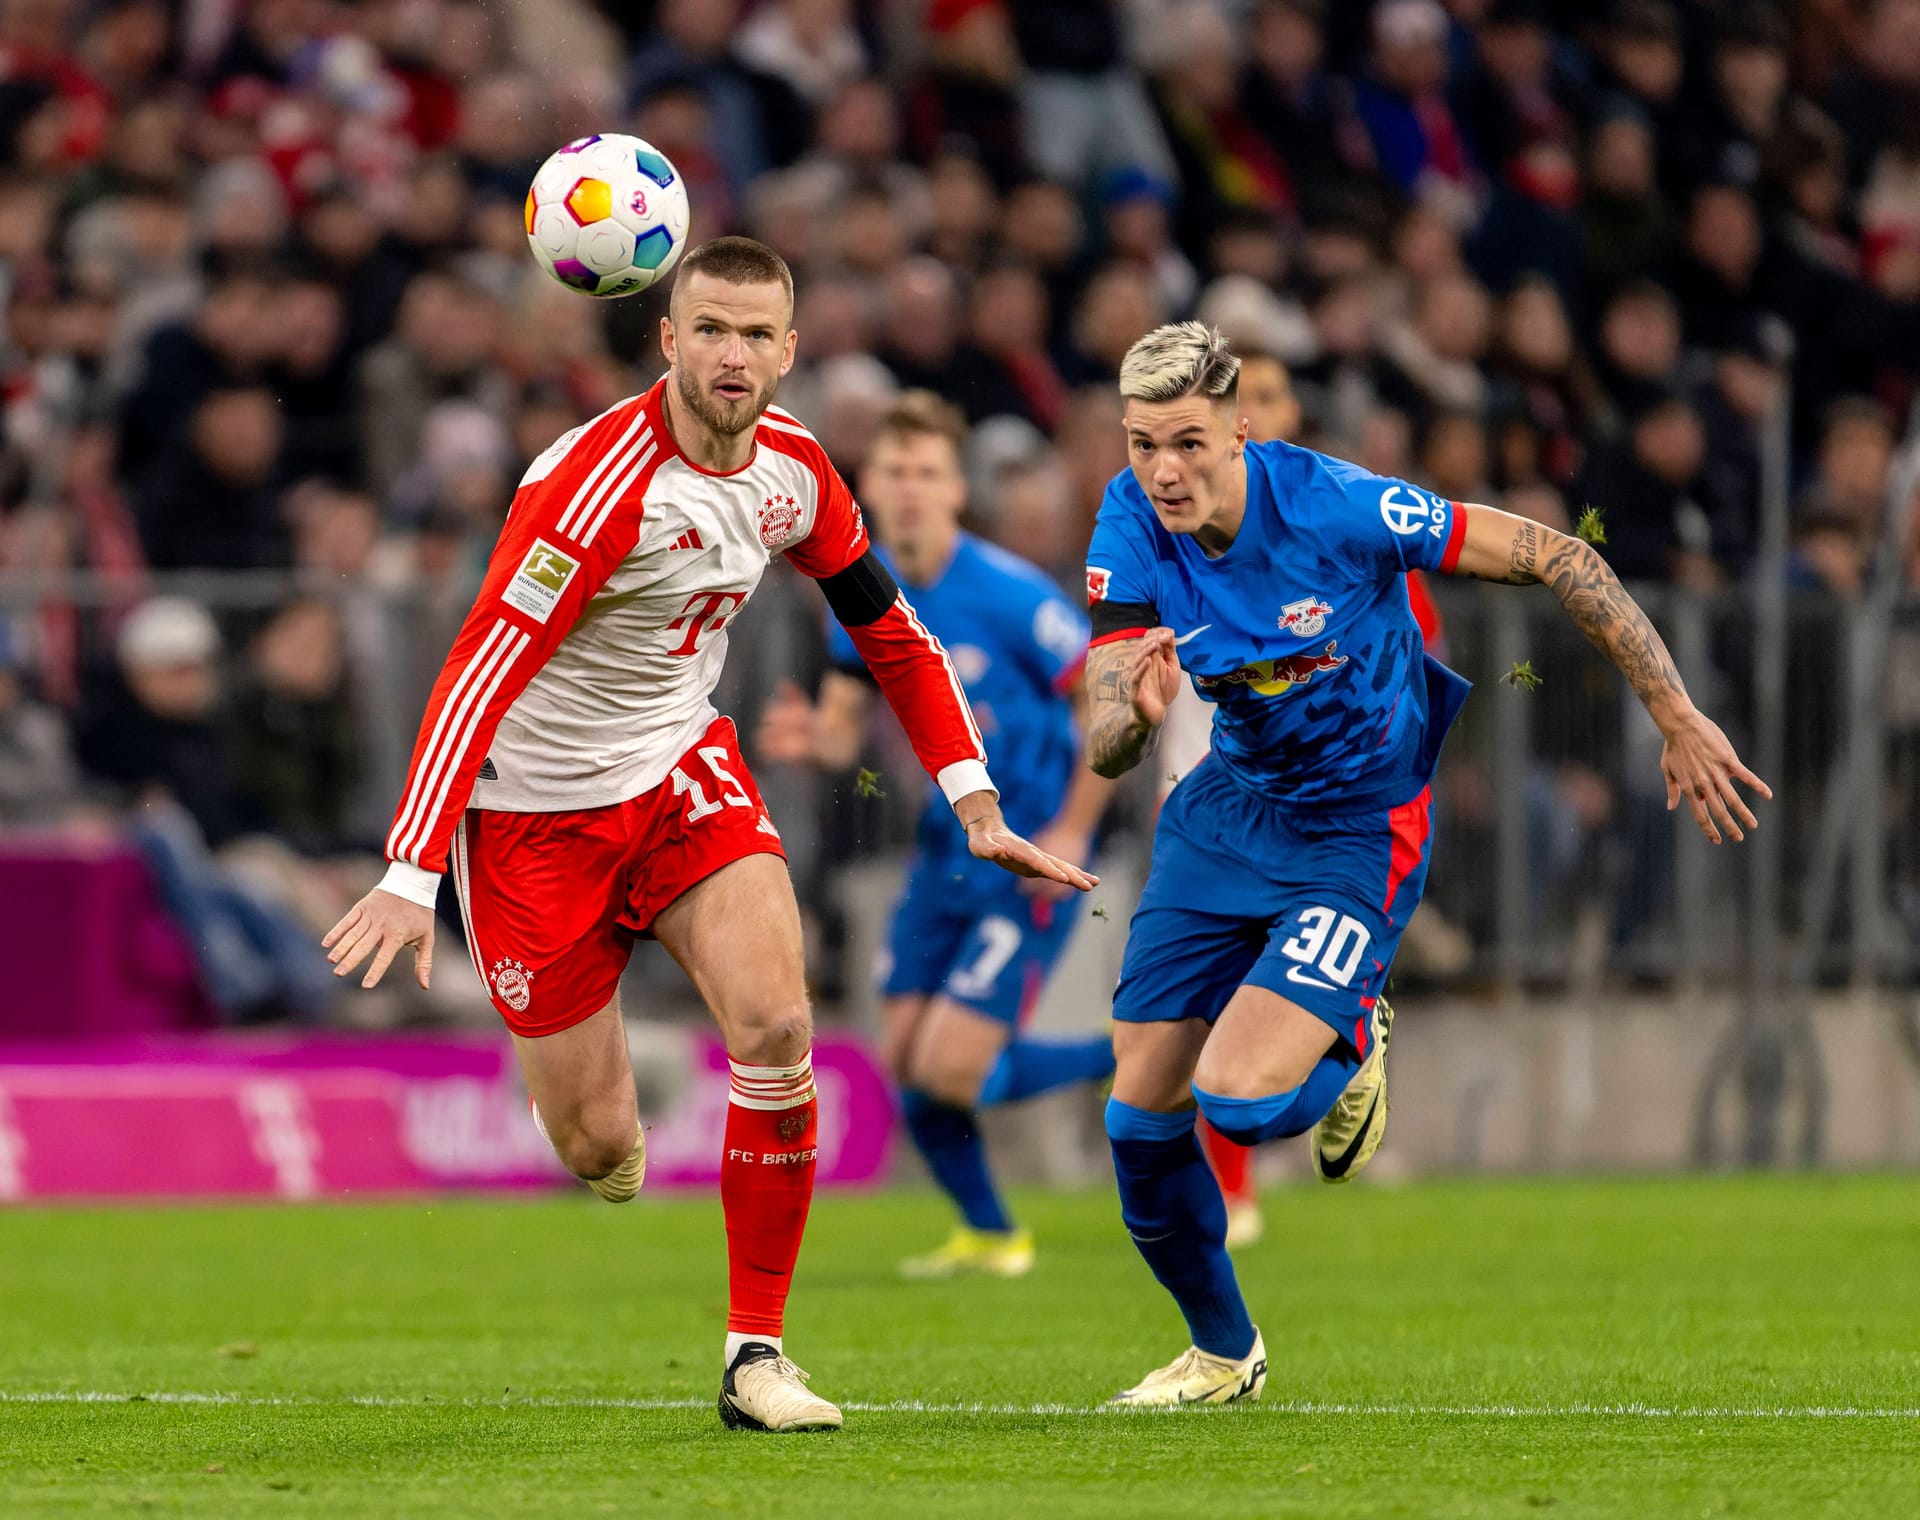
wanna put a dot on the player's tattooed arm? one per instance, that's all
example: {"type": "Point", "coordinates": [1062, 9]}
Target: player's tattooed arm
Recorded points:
{"type": "Point", "coordinates": [1697, 761]}
{"type": "Point", "coordinates": [1527, 553]}
{"type": "Point", "coordinates": [1131, 682]}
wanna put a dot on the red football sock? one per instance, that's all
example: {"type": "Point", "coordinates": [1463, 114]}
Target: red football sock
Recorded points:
{"type": "Point", "coordinates": [1232, 1164]}
{"type": "Point", "coordinates": [766, 1184]}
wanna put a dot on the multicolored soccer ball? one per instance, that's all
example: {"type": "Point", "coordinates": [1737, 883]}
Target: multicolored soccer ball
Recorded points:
{"type": "Point", "coordinates": [607, 215]}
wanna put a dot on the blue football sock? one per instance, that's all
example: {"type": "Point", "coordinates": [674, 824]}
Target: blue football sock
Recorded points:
{"type": "Point", "coordinates": [1173, 1210]}
{"type": "Point", "coordinates": [1248, 1121]}
{"type": "Point", "coordinates": [1027, 1068]}
{"type": "Point", "coordinates": [949, 1141]}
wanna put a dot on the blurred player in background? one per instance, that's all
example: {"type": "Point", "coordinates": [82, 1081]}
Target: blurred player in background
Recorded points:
{"type": "Point", "coordinates": [572, 765]}
{"type": "Point", "coordinates": [1272, 411]}
{"type": "Point", "coordinates": [969, 949]}
{"type": "Point", "coordinates": [1286, 864]}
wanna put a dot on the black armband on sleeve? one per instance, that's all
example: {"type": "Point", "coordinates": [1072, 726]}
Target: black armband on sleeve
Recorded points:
{"type": "Point", "coordinates": [861, 593]}
{"type": "Point", "coordinates": [1121, 620]}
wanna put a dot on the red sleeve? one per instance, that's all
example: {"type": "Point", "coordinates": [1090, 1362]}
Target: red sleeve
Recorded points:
{"type": "Point", "coordinates": [838, 536]}
{"type": "Point", "coordinates": [571, 524]}
{"type": "Point", "coordinates": [919, 683]}
{"type": "Point", "coordinates": [911, 667]}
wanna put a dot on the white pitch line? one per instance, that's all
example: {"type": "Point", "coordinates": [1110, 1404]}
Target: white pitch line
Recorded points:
{"type": "Point", "coordinates": [1631, 1411]}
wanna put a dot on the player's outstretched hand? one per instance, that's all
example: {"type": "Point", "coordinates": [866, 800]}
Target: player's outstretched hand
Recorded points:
{"type": "Point", "coordinates": [1700, 765]}
{"type": "Point", "coordinates": [989, 838]}
{"type": "Point", "coordinates": [383, 924]}
{"type": "Point", "coordinates": [1062, 844]}
{"type": "Point", "coordinates": [1154, 678]}
{"type": "Point", "coordinates": [784, 735]}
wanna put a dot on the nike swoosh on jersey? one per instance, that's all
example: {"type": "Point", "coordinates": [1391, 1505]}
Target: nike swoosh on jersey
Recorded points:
{"type": "Point", "coordinates": [1188, 638]}
{"type": "Point", "coordinates": [1295, 974]}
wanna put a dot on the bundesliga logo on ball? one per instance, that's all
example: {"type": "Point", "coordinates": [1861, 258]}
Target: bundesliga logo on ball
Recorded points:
{"type": "Point", "coordinates": [607, 215]}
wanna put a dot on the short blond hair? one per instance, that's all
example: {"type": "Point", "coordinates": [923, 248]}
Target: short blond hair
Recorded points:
{"type": "Point", "coordinates": [1180, 359]}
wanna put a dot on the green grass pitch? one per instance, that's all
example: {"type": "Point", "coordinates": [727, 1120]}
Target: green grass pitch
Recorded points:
{"type": "Point", "coordinates": [1738, 1346]}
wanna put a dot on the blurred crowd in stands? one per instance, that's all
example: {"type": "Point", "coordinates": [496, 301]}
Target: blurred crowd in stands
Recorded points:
{"type": "Point", "coordinates": [268, 305]}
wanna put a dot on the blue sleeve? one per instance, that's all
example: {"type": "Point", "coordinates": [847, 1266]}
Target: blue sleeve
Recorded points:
{"type": "Point", "coordinates": [1053, 640]}
{"type": "Point", "coordinates": [1121, 566]}
{"type": "Point", "coordinates": [1389, 524]}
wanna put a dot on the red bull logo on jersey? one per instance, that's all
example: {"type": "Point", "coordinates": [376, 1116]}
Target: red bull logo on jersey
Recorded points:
{"type": "Point", "coordinates": [1306, 617]}
{"type": "Point", "coordinates": [1274, 678]}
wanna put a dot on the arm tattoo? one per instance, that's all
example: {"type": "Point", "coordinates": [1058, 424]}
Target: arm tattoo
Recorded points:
{"type": "Point", "coordinates": [1117, 737]}
{"type": "Point", "coordinates": [1599, 605]}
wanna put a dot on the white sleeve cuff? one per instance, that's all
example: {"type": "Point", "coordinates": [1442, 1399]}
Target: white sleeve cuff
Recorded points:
{"type": "Point", "coordinates": [963, 778]}
{"type": "Point", "coordinates": [412, 883]}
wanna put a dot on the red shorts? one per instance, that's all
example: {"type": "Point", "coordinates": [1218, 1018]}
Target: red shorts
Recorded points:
{"type": "Point", "coordinates": [552, 902]}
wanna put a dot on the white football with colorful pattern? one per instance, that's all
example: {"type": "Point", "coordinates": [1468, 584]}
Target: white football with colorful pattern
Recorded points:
{"type": "Point", "coordinates": [607, 215]}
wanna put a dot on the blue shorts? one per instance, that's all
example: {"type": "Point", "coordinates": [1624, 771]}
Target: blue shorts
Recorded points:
{"type": "Point", "coordinates": [1308, 905]}
{"type": "Point", "coordinates": [990, 951]}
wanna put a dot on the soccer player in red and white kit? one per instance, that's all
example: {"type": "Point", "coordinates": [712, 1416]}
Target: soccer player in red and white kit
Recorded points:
{"type": "Point", "coordinates": [573, 772]}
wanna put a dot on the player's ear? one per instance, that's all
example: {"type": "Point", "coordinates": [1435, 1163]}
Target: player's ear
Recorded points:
{"type": "Point", "coordinates": [666, 339]}
{"type": "Point", "coordinates": [786, 357]}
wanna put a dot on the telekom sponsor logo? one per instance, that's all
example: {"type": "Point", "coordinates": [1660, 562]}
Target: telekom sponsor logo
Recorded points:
{"type": "Point", "coordinates": [227, 1115]}
{"type": "Point", "coordinates": [281, 1128]}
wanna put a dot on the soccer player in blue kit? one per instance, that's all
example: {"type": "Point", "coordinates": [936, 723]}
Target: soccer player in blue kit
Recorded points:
{"type": "Point", "coordinates": [1288, 861]}
{"type": "Point", "coordinates": [967, 955]}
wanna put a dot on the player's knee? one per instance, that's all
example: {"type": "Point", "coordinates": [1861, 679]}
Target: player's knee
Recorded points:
{"type": "Point", "coordinates": [778, 1037]}
{"type": "Point", "coordinates": [898, 1055]}
{"type": "Point", "coordinates": [593, 1149]}
{"type": "Point", "coordinates": [939, 1075]}
{"type": "Point", "coordinates": [1228, 1078]}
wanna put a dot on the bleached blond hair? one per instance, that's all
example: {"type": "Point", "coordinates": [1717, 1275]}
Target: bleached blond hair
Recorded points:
{"type": "Point", "coordinates": [1180, 359]}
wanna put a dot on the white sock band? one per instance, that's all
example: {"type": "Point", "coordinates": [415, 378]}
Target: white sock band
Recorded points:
{"type": "Point", "coordinates": [772, 1087]}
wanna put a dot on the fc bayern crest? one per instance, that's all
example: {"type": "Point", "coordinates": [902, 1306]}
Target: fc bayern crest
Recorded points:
{"type": "Point", "coordinates": [1306, 617]}
{"type": "Point", "coordinates": [512, 984]}
{"type": "Point", "coordinates": [778, 514]}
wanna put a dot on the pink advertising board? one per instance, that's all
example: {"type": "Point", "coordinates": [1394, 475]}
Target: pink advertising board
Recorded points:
{"type": "Point", "coordinates": [326, 1116]}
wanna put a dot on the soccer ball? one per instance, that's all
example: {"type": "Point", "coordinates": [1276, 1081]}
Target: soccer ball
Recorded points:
{"type": "Point", "coordinates": [607, 215]}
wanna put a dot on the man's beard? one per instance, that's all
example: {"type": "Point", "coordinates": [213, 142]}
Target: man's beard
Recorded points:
{"type": "Point", "coordinates": [727, 418]}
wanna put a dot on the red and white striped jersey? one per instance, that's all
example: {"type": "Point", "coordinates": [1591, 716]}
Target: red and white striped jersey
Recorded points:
{"type": "Point", "coordinates": [587, 664]}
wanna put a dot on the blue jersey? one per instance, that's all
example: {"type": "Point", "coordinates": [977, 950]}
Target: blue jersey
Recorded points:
{"type": "Point", "coordinates": [1300, 633]}
{"type": "Point", "coordinates": [1016, 643]}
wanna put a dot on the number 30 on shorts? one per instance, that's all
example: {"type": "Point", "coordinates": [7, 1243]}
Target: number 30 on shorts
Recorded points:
{"type": "Point", "coordinates": [731, 794]}
{"type": "Point", "coordinates": [1328, 942]}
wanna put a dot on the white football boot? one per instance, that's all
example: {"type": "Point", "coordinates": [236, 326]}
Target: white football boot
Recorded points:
{"type": "Point", "coordinates": [1199, 1377]}
{"type": "Point", "coordinates": [764, 1391]}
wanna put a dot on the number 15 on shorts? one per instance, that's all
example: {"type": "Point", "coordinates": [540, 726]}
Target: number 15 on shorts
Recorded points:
{"type": "Point", "coordinates": [1328, 947]}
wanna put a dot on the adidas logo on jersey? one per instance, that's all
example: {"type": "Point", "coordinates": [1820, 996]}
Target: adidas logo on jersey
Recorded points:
{"type": "Point", "coordinates": [687, 540]}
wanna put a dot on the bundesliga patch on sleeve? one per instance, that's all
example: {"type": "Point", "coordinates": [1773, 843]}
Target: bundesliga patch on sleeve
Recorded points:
{"type": "Point", "coordinates": [1097, 582]}
{"type": "Point", "coordinates": [536, 586]}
